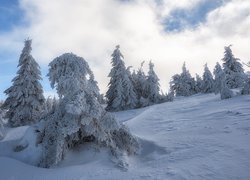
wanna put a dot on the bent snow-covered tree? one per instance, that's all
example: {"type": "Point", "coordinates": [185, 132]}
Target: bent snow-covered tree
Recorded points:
{"type": "Point", "coordinates": [233, 69]}
{"type": "Point", "coordinates": [25, 97]}
{"type": "Point", "coordinates": [79, 117]}
{"type": "Point", "coordinates": [121, 94]}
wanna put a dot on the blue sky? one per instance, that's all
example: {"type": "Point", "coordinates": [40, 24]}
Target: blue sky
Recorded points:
{"type": "Point", "coordinates": [10, 15]}
{"type": "Point", "coordinates": [165, 31]}
{"type": "Point", "coordinates": [181, 18]}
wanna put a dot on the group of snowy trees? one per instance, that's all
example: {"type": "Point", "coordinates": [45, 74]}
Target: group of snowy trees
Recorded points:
{"type": "Point", "coordinates": [128, 91]}
{"type": "Point", "coordinates": [75, 118]}
{"type": "Point", "coordinates": [78, 117]}
{"type": "Point", "coordinates": [231, 75]}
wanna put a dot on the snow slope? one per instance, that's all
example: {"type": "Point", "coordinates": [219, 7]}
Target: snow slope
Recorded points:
{"type": "Point", "coordinates": [197, 137]}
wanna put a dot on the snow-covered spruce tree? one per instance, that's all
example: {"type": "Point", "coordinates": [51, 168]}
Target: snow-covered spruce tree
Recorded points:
{"type": "Point", "coordinates": [208, 81]}
{"type": "Point", "coordinates": [2, 133]}
{"type": "Point", "coordinates": [175, 85]}
{"type": "Point", "coordinates": [152, 86]}
{"type": "Point", "coordinates": [218, 77]}
{"type": "Point", "coordinates": [101, 99]}
{"type": "Point", "coordinates": [25, 97]}
{"type": "Point", "coordinates": [233, 69]}
{"type": "Point", "coordinates": [93, 83]}
{"type": "Point", "coordinates": [198, 84]}
{"type": "Point", "coordinates": [134, 81]}
{"type": "Point", "coordinates": [140, 81]}
{"type": "Point", "coordinates": [246, 88]}
{"type": "Point", "coordinates": [183, 84]}
{"type": "Point", "coordinates": [169, 97]}
{"type": "Point", "coordinates": [79, 117]}
{"type": "Point", "coordinates": [189, 81]}
{"type": "Point", "coordinates": [50, 105]}
{"type": "Point", "coordinates": [121, 94]}
{"type": "Point", "coordinates": [225, 92]}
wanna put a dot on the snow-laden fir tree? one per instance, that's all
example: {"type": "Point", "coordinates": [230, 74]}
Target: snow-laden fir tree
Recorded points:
{"type": "Point", "coordinates": [225, 92]}
{"type": "Point", "coordinates": [208, 81]}
{"type": "Point", "coordinates": [2, 133]}
{"type": "Point", "coordinates": [25, 97]}
{"type": "Point", "coordinates": [175, 85]}
{"type": "Point", "coordinates": [139, 79]}
{"type": "Point", "coordinates": [198, 83]}
{"type": "Point", "coordinates": [189, 81]}
{"type": "Point", "coordinates": [79, 117]}
{"type": "Point", "coordinates": [246, 88]}
{"type": "Point", "coordinates": [183, 84]}
{"type": "Point", "coordinates": [152, 86]}
{"type": "Point", "coordinates": [169, 97]}
{"type": "Point", "coordinates": [93, 84]}
{"type": "Point", "coordinates": [139, 82]}
{"type": "Point", "coordinates": [134, 81]}
{"type": "Point", "coordinates": [121, 94]}
{"type": "Point", "coordinates": [218, 77]}
{"type": "Point", "coordinates": [101, 99]}
{"type": "Point", "coordinates": [233, 69]}
{"type": "Point", "coordinates": [50, 105]}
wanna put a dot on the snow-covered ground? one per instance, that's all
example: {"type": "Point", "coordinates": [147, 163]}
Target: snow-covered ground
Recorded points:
{"type": "Point", "coordinates": [198, 137]}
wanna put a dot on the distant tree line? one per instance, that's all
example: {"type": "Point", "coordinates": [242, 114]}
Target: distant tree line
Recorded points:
{"type": "Point", "coordinates": [231, 75]}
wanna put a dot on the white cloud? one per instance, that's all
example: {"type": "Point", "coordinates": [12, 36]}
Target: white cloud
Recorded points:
{"type": "Point", "coordinates": [92, 28]}
{"type": "Point", "coordinates": [232, 19]}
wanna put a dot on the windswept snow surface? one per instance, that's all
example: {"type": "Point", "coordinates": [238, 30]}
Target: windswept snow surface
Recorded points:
{"type": "Point", "coordinates": [197, 137]}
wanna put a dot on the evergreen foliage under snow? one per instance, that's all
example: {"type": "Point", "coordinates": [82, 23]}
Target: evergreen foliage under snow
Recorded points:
{"type": "Point", "coordinates": [183, 84]}
{"type": "Point", "coordinates": [218, 77]}
{"type": "Point", "coordinates": [79, 117]}
{"type": "Point", "coordinates": [233, 69]}
{"type": "Point", "coordinates": [198, 84]}
{"type": "Point", "coordinates": [139, 81]}
{"type": "Point", "coordinates": [92, 83]}
{"type": "Point", "coordinates": [2, 133]}
{"type": "Point", "coordinates": [50, 105]}
{"type": "Point", "coordinates": [25, 97]}
{"type": "Point", "coordinates": [225, 92]}
{"type": "Point", "coordinates": [208, 81]}
{"type": "Point", "coordinates": [169, 97]}
{"type": "Point", "coordinates": [121, 94]}
{"type": "Point", "coordinates": [246, 88]}
{"type": "Point", "coordinates": [152, 86]}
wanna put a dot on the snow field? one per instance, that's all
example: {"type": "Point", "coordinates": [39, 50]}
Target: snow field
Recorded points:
{"type": "Point", "coordinates": [197, 137]}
